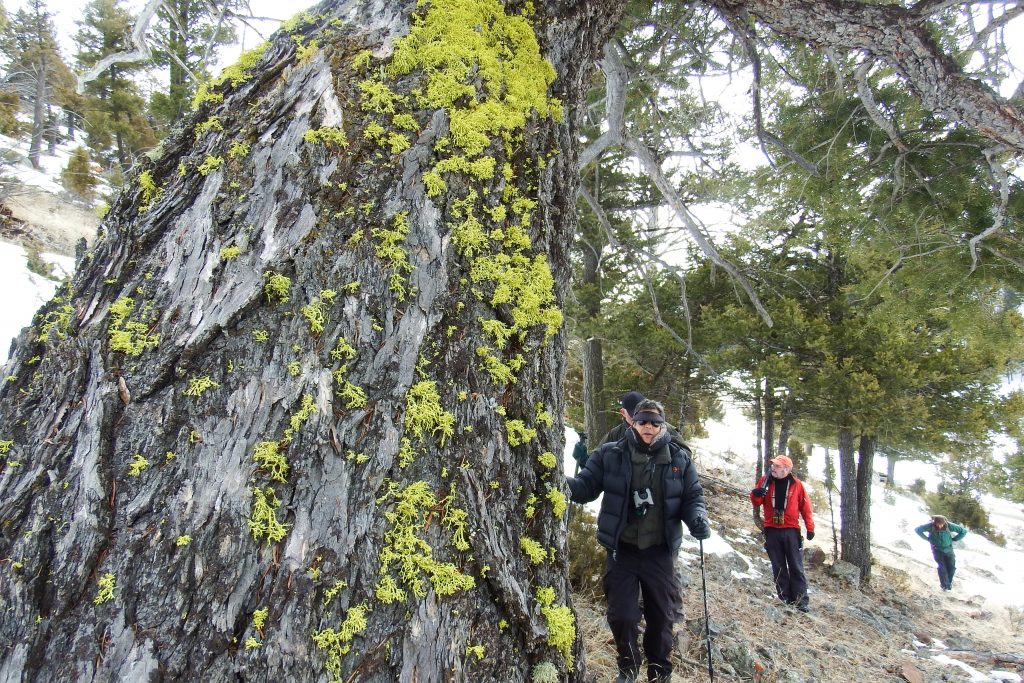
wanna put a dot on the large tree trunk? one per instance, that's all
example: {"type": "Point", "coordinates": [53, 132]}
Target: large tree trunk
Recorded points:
{"type": "Point", "coordinates": [865, 465]}
{"type": "Point", "coordinates": [594, 399]}
{"type": "Point", "coordinates": [851, 541]}
{"type": "Point", "coordinates": [788, 415]}
{"type": "Point", "coordinates": [214, 473]}
{"type": "Point", "coordinates": [855, 499]}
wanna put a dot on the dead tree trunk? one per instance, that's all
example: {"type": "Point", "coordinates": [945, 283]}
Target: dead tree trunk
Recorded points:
{"type": "Point", "coordinates": [297, 416]}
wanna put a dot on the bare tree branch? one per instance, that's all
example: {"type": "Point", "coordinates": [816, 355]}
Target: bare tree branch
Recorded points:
{"type": "Point", "coordinates": [615, 77]}
{"type": "Point", "coordinates": [1001, 177]}
{"type": "Point", "coordinates": [141, 52]}
{"type": "Point", "coordinates": [899, 38]}
{"type": "Point", "coordinates": [867, 98]}
{"type": "Point", "coordinates": [653, 169]}
{"type": "Point", "coordinates": [764, 135]}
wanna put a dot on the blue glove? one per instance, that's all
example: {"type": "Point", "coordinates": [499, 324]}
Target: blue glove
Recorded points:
{"type": "Point", "coordinates": [699, 528]}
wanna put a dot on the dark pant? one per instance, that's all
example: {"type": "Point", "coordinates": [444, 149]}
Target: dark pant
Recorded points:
{"type": "Point", "coordinates": [947, 567]}
{"type": "Point", "coordinates": [783, 546]}
{"type": "Point", "coordinates": [650, 572]}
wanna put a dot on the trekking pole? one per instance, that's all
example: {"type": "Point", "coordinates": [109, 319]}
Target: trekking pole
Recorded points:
{"type": "Point", "coordinates": [707, 619]}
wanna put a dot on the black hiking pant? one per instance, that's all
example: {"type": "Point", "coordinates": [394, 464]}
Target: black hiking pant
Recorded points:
{"type": "Point", "coordinates": [651, 573]}
{"type": "Point", "coordinates": [783, 546]}
{"type": "Point", "coordinates": [947, 567]}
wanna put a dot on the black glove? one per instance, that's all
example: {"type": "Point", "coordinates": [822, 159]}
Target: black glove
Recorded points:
{"type": "Point", "coordinates": [810, 535]}
{"type": "Point", "coordinates": [759, 492]}
{"type": "Point", "coordinates": [699, 528]}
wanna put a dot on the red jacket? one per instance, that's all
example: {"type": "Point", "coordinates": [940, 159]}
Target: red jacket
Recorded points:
{"type": "Point", "coordinates": [798, 504]}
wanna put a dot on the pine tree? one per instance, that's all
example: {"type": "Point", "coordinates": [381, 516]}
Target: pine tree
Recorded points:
{"type": "Point", "coordinates": [35, 70]}
{"type": "Point", "coordinates": [114, 109]}
{"type": "Point", "coordinates": [190, 35]}
{"type": "Point", "coordinates": [77, 177]}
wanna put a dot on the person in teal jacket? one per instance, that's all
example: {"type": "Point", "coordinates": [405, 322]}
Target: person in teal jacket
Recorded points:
{"type": "Point", "coordinates": [942, 533]}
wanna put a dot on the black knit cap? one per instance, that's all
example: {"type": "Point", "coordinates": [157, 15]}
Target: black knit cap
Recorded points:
{"type": "Point", "coordinates": [630, 400]}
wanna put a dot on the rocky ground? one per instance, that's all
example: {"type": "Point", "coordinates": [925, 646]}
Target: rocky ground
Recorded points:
{"type": "Point", "coordinates": [898, 628]}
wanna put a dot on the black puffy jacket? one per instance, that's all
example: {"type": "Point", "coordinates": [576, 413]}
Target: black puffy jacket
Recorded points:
{"type": "Point", "coordinates": [609, 470]}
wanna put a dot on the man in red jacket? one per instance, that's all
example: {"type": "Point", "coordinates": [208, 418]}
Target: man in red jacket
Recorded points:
{"type": "Point", "coordinates": [785, 500]}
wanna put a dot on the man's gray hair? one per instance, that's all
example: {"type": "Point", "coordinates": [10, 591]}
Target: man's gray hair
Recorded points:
{"type": "Point", "coordinates": [651, 406]}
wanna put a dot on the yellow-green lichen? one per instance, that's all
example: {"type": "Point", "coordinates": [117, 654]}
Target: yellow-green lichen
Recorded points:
{"type": "Point", "coordinates": [238, 150]}
{"type": "Point", "coordinates": [57, 322]}
{"type": "Point", "coordinates": [277, 287]}
{"type": "Point", "coordinates": [230, 252]}
{"type": "Point", "coordinates": [424, 414]}
{"type": "Point", "coordinates": [137, 465]}
{"type": "Point", "coordinates": [305, 52]}
{"type": "Point", "coordinates": [5, 446]}
{"type": "Point", "coordinates": [411, 555]}
{"type": "Point", "coordinates": [271, 460]}
{"type": "Point", "coordinates": [518, 432]}
{"type": "Point", "coordinates": [560, 621]}
{"type": "Point", "coordinates": [210, 163]}
{"type": "Point", "coordinates": [316, 313]}
{"type": "Point", "coordinates": [333, 591]}
{"type": "Point", "coordinates": [183, 540]}
{"type": "Point", "coordinates": [211, 124]}
{"type": "Point", "coordinates": [251, 643]}
{"type": "Point", "coordinates": [352, 395]}
{"type": "Point", "coordinates": [343, 351]}
{"type": "Point", "coordinates": [338, 642]}
{"type": "Point", "coordinates": [475, 651]}
{"type": "Point", "coordinates": [259, 618]}
{"type": "Point", "coordinates": [236, 74]}
{"type": "Point", "coordinates": [129, 337]}
{"type": "Point", "coordinates": [263, 524]}
{"type": "Point", "coordinates": [327, 136]}
{"type": "Point", "coordinates": [198, 385]}
{"type": "Point", "coordinates": [534, 550]}
{"type": "Point", "coordinates": [389, 248]}
{"type": "Point", "coordinates": [150, 191]}
{"type": "Point", "coordinates": [558, 502]}
{"type": "Point", "coordinates": [105, 592]}
{"type": "Point", "coordinates": [260, 335]}
{"type": "Point", "coordinates": [306, 410]}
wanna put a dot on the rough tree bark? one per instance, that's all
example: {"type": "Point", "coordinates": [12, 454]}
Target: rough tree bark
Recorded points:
{"type": "Point", "coordinates": [855, 500]}
{"type": "Point", "coordinates": [292, 418]}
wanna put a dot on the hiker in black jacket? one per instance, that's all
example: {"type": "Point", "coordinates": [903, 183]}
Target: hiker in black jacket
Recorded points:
{"type": "Point", "coordinates": [650, 487]}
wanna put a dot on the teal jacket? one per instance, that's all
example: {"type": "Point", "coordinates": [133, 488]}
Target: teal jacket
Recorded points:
{"type": "Point", "coordinates": [941, 539]}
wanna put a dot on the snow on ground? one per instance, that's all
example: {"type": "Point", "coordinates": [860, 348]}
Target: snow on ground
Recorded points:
{"type": "Point", "coordinates": [24, 291]}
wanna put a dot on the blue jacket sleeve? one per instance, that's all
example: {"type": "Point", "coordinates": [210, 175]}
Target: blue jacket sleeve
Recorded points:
{"type": "Point", "coordinates": [959, 531]}
{"type": "Point", "coordinates": [920, 531]}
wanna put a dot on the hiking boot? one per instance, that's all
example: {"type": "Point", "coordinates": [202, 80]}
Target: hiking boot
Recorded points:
{"type": "Point", "coordinates": [628, 676]}
{"type": "Point", "coordinates": [804, 608]}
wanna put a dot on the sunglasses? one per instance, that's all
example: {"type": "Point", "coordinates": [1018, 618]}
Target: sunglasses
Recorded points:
{"type": "Point", "coordinates": [644, 423]}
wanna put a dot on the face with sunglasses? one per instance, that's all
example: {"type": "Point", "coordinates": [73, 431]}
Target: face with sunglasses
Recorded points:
{"type": "Point", "coordinates": [648, 425]}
